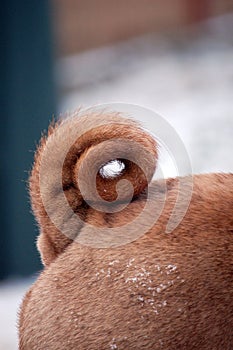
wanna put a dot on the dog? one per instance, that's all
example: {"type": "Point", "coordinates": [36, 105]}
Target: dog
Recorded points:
{"type": "Point", "coordinates": [116, 279]}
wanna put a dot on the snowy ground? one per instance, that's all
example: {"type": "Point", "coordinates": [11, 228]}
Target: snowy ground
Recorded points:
{"type": "Point", "coordinates": [187, 80]}
{"type": "Point", "coordinates": [11, 294]}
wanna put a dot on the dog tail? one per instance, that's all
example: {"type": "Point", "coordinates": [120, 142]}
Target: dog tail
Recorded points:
{"type": "Point", "coordinates": [84, 161]}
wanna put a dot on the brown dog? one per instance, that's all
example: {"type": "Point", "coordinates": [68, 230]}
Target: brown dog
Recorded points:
{"type": "Point", "coordinates": [161, 290]}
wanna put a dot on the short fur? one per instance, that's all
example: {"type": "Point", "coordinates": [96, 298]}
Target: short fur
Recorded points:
{"type": "Point", "coordinates": [161, 291]}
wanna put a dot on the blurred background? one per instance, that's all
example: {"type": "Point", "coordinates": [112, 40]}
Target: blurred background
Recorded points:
{"type": "Point", "coordinates": [175, 57]}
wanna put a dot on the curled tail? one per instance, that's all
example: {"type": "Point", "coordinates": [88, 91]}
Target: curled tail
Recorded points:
{"type": "Point", "coordinates": [69, 175]}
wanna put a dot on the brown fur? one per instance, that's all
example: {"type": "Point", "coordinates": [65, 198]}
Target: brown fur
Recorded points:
{"type": "Point", "coordinates": [161, 291]}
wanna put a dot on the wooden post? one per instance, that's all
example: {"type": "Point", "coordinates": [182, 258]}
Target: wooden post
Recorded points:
{"type": "Point", "coordinates": [27, 104]}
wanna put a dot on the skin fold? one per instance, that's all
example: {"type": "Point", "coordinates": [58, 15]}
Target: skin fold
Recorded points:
{"type": "Point", "coordinates": [160, 290]}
